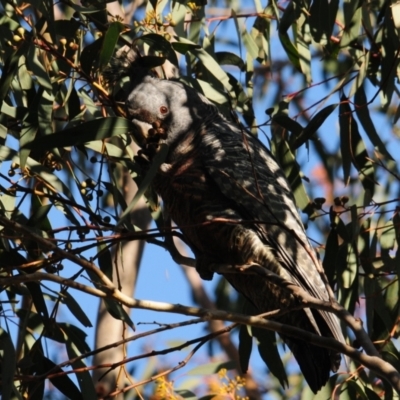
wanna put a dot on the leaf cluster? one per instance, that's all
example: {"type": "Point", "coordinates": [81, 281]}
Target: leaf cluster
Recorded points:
{"type": "Point", "coordinates": [65, 146]}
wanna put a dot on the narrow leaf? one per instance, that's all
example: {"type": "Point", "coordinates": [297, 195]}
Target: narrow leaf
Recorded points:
{"type": "Point", "coordinates": [269, 353]}
{"type": "Point", "coordinates": [90, 54]}
{"type": "Point", "coordinates": [314, 125]}
{"type": "Point", "coordinates": [97, 129]}
{"type": "Point", "coordinates": [346, 123]}
{"type": "Point", "coordinates": [38, 69]}
{"type": "Point", "coordinates": [331, 250]}
{"type": "Point", "coordinates": [38, 299]}
{"type": "Point", "coordinates": [76, 309]}
{"type": "Point", "coordinates": [322, 19]}
{"type": "Point", "coordinates": [62, 382]}
{"type": "Point", "coordinates": [105, 260]}
{"type": "Point", "coordinates": [227, 58]}
{"type": "Point", "coordinates": [9, 70]}
{"type": "Point", "coordinates": [290, 50]}
{"type": "Point", "coordinates": [8, 359]}
{"type": "Point", "coordinates": [362, 111]}
{"type": "Point", "coordinates": [288, 123]}
{"type": "Point", "coordinates": [245, 347]}
{"type": "Point", "coordinates": [155, 165]}
{"type": "Point", "coordinates": [110, 41]}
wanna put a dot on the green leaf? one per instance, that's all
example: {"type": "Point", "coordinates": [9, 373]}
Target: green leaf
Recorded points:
{"type": "Point", "coordinates": [347, 278]}
{"type": "Point", "coordinates": [14, 112]}
{"type": "Point", "coordinates": [211, 92]}
{"type": "Point", "coordinates": [114, 308]}
{"type": "Point", "coordinates": [75, 309]}
{"type": "Point", "coordinates": [363, 115]}
{"type": "Point", "coordinates": [350, 273]}
{"type": "Point", "coordinates": [36, 389]}
{"type": "Point", "coordinates": [186, 394]}
{"type": "Point", "coordinates": [322, 19]}
{"type": "Point", "coordinates": [38, 69]}
{"type": "Point", "coordinates": [346, 124]}
{"type": "Point", "coordinates": [160, 44]}
{"type": "Point", "coordinates": [8, 359]}
{"type": "Point", "coordinates": [62, 382]}
{"type": "Point", "coordinates": [208, 62]}
{"type": "Point", "coordinates": [389, 63]}
{"type": "Point", "coordinates": [371, 395]}
{"type": "Point", "coordinates": [292, 172]}
{"type": "Point", "coordinates": [370, 287]}
{"type": "Point", "coordinates": [11, 258]}
{"type": "Point", "coordinates": [288, 123]}
{"type": "Point", "coordinates": [331, 250]}
{"type": "Point", "coordinates": [28, 134]}
{"type": "Point", "coordinates": [261, 35]}
{"type": "Point", "coordinates": [49, 177]}
{"type": "Point", "coordinates": [33, 320]}
{"type": "Point", "coordinates": [68, 213]}
{"type": "Point", "coordinates": [150, 62]}
{"type": "Point", "coordinates": [72, 334]}
{"type": "Point", "coordinates": [391, 354]}
{"type": "Point", "coordinates": [388, 389]}
{"type": "Point", "coordinates": [387, 239]}
{"type": "Point", "coordinates": [289, 17]}
{"type": "Point", "coordinates": [184, 46]}
{"type": "Point", "coordinates": [211, 368]}
{"type": "Point", "coordinates": [290, 50]}
{"type": "Point", "coordinates": [227, 58]}
{"type": "Point", "coordinates": [250, 44]}
{"type": "Point", "coordinates": [382, 320]}
{"type": "Point", "coordinates": [38, 218]}
{"type": "Point", "coordinates": [362, 74]}
{"type": "Point", "coordinates": [105, 260]}
{"type": "Point", "coordinates": [38, 299]}
{"type": "Point", "coordinates": [245, 346]}
{"type": "Point", "coordinates": [314, 125]}
{"type": "Point", "coordinates": [73, 103]}
{"type": "Point", "coordinates": [352, 21]}
{"type": "Point", "coordinates": [83, 376]}
{"type": "Point", "coordinates": [110, 41]}
{"type": "Point", "coordinates": [354, 150]}
{"type": "Point", "coordinates": [90, 55]}
{"type": "Point", "coordinates": [45, 112]}
{"type": "Point", "coordinates": [97, 129]}
{"type": "Point", "coordinates": [269, 353]}
{"type": "Point", "coordinates": [303, 41]}
{"type": "Point", "coordinates": [145, 183]}
{"type": "Point", "coordinates": [363, 244]}
{"type": "Point", "coordinates": [6, 153]}
{"type": "Point", "coordinates": [9, 70]}
{"type": "Point", "coordinates": [352, 390]}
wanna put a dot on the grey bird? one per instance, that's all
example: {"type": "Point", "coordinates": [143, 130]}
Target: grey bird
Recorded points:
{"type": "Point", "coordinates": [234, 206]}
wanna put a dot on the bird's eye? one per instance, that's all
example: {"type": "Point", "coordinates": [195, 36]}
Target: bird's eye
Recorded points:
{"type": "Point", "coordinates": [163, 110]}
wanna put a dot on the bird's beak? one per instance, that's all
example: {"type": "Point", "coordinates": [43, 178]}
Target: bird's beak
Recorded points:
{"type": "Point", "coordinates": [141, 133]}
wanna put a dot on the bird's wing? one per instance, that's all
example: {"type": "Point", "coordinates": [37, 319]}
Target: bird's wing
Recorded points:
{"type": "Point", "coordinates": [247, 174]}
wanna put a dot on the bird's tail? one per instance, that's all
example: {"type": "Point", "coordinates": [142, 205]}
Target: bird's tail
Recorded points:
{"type": "Point", "coordinates": [315, 362]}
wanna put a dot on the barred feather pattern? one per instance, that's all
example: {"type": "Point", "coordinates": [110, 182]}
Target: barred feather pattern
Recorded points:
{"type": "Point", "coordinates": [229, 197]}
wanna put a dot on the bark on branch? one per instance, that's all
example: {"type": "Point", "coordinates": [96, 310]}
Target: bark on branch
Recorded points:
{"type": "Point", "coordinates": [372, 362]}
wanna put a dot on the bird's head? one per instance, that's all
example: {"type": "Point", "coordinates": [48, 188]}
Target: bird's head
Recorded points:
{"type": "Point", "coordinates": [163, 111]}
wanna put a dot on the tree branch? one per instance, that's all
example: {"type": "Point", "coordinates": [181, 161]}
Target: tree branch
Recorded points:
{"type": "Point", "coordinates": [373, 362]}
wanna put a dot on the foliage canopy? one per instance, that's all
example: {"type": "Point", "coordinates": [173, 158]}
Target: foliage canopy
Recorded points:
{"type": "Point", "coordinates": [65, 146]}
